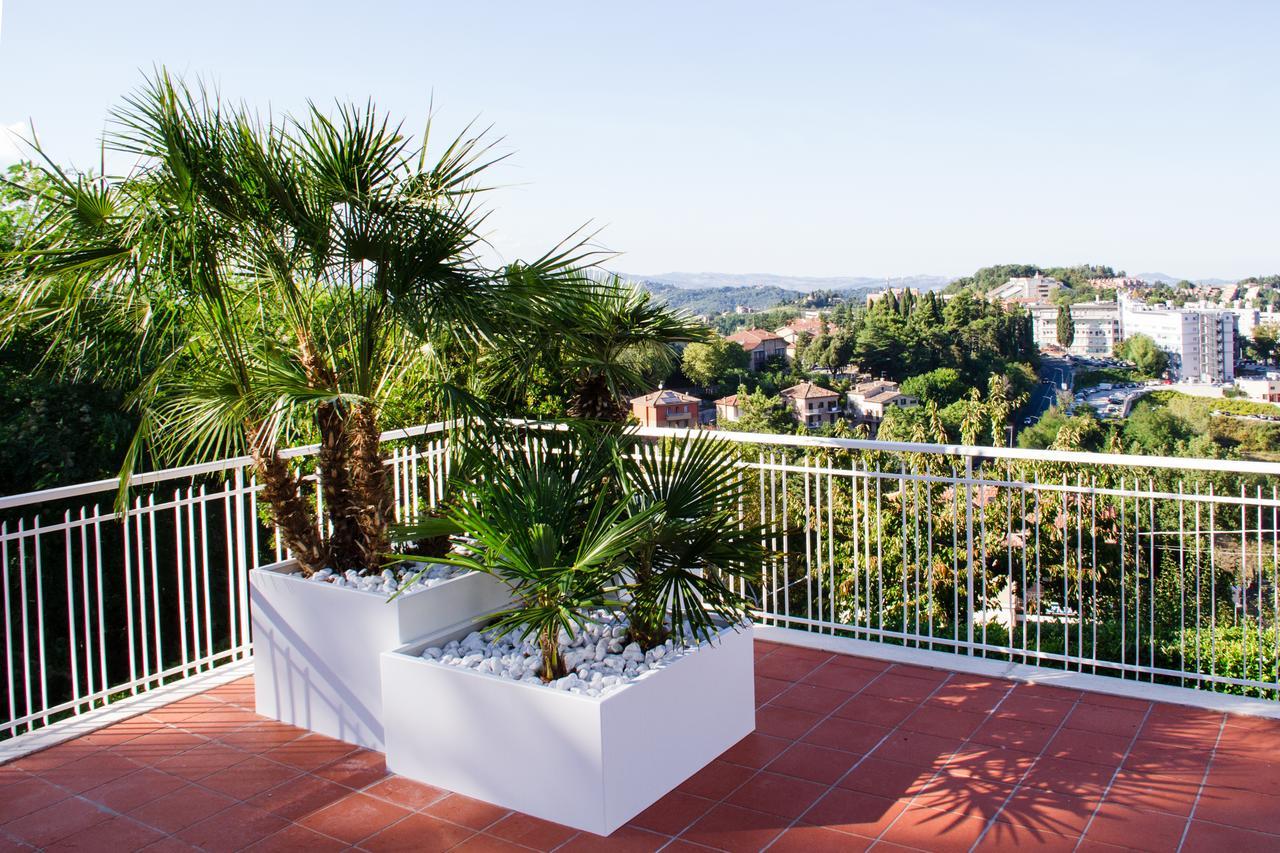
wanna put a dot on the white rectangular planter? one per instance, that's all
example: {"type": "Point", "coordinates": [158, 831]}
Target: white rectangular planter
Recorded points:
{"type": "Point", "coordinates": [316, 645]}
{"type": "Point", "coordinates": [585, 762]}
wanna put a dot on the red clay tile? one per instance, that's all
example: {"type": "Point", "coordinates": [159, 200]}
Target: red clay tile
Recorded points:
{"type": "Point", "coordinates": [975, 699]}
{"type": "Point", "coordinates": [787, 723]}
{"type": "Point", "coordinates": [848, 735]}
{"type": "Point", "coordinates": [855, 812]}
{"type": "Point", "coordinates": [993, 763]}
{"type": "Point", "coordinates": [1149, 792]}
{"type": "Point", "coordinates": [261, 736]}
{"type": "Point", "coordinates": [418, 832]}
{"type": "Point", "coordinates": [716, 780]}
{"type": "Point", "coordinates": [139, 787]}
{"type": "Point", "coordinates": [943, 721]}
{"type": "Point", "coordinates": [354, 817]}
{"type": "Point", "coordinates": [1033, 709]}
{"type": "Point", "coordinates": [888, 779]}
{"type": "Point", "coordinates": [1007, 836]}
{"type": "Point", "coordinates": [1033, 808]}
{"type": "Point", "coordinates": [1203, 837]}
{"type": "Point", "coordinates": [357, 770]}
{"type": "Point", "coordinates": [1068, 776]}
{"type": "Point", "coordinates": [818, 839]}
{"type": "Point", "coordinates": [249, 777]}
{"type": "Point", "coordinates": [405, 792]}
{"type": "Point", "coordinates": [937, 676]}
{"type": "Point", "coordinates": [671, 814]}
{"type": "Point", "coordinates": [465, 811]}
{"type": "Point", "coordinates": [909, 747]}
{"type": "Point", "coordinates": [1014, 734]}
{"type": "Point", "coordinates": [811, 697]}
{"type": "Point", "coordinates": [297, 838]}
{"type": "Point", "coordinates": [1091, 747]}
{"type": "Point", "coordinates": [1047, 691]}
{"type": "Point", "coordinates": [902, 688]}
{"type": "Point", "coordinates": [767, 688]}
{"type": "Point", "coordinates": [785, 668]}
{"type": "Point", "coordinates": [835, 676]}
{"type": "Point", "coordinates": [814, 763]}
{"type": "Point", "coordinates": [755, 750]}
{"type": "Point", "coordinates": [772, 793]}
{"type": "Point", "coordinates": [299, 797]}
{"type": "Point", "coordinates": [938, 832]}
{"type": "Point", "coordinates": [625, 840]}
{"type": "Point", "coordinates": [115, 833]}
{"type": "Point", "coordinates": [531, 832]}
{"type": "Point", "coordinates": [29, 795]}
{"type": "Point", "coordinates": [1245, 774]}
{"type": "Point", "coordinates": [310, 752]}
{"type": "Point", "coordinates": [181, 808]}
{"type": "Point", "coordinates": [1121, 825]}
{"type": "Point", "coordinates": [482, 843]}
{"type": "Point", "coordinates": [55, 756]}
{"type": "Point", "coordinates": [875, 710]}
{"type": "Point", "coordinates": [55, 822]}
{"type": "Point", "coordinates": [1089, 717]}
{"type": "Point", "coordinates": [203, 760]}
{"type": "Point", "coordinates": [233, 829]}
{"type": "Point", "coordinates": [735, 829]}
{"type": "Point", "coordinates": [1245, 809]}
{"type": "Point", "coordinates": [963, 795]}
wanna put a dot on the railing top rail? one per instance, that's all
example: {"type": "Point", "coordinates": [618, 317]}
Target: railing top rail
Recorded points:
{"type": "Point", "coordinates": [186, 472]}
{"type": "Point", "coordinates": [1114, 460]}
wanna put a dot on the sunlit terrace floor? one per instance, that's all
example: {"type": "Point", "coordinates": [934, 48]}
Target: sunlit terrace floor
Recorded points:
{"type": "Point", "coordinates": [849, 753]}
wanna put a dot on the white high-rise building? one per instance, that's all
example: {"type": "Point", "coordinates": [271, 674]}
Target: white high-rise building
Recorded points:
{"type": "Point", "coordinates": [1096, 325]}
{"type": "Point", "coordinates": [1201, 343]}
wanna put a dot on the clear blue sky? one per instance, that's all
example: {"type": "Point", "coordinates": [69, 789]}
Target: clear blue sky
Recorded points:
{"type": "Point", "coordinates": [796, 138]}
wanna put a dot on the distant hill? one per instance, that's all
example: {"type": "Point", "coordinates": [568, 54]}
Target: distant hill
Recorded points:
{"type": "Point", "coordinates": [716, 300]}
{"type": "Point", "coordinates": [1161, 278]}
{"type": "Point", "coordinates": [800, 284]}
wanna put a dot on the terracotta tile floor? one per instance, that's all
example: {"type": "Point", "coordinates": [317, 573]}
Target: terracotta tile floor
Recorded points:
{"type": "Point", "coordinates": [849, 754]}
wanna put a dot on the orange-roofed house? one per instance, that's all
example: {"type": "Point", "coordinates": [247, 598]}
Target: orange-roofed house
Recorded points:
{"type": "Point", "coordinates": [812, 405]}
{"type": "Point", "coordinates": [760, 344]}
{"type": "Point", "coordinates": [664, 408]}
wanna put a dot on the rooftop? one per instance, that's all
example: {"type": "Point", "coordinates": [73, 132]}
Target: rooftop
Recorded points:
{"type": "Point", "coordinates": [666, 397]}
{"type": "Point", "coordinates": [806, 390]}
{"type": "Point", "coordinates": [752, 338]}
{"type": "Point", "coordinates": [850, 753]}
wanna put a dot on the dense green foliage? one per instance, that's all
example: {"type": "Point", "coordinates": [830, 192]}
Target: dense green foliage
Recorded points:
{"type": "Point", "coordinates": [713, 361]}
{"type": "Point", "coordinates": [1085, 379]}
{"type": "Point", "coordinates": [1150, 362]}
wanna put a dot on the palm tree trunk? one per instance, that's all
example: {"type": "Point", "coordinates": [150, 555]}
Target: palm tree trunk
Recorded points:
{"type": "Point", "coordinates": [333, 469]}
{"type": "Point", "coordinates": [371, 501]}
{"type": "Point", "coordinates": [290, 511]}
{"type": "Point", "coordinates": [592, 400]}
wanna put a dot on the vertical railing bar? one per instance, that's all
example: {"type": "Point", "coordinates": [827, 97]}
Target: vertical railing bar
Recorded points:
{"type": "Point", "coordinates": [831, 547]}
{"type": "Point", "coordinates": [86, 607]}
{"type": "Point", "coordinates": [8, 620]}
{"type": "Point", "coordinates": [968, 516]}
{"type": "Point", "coordinates": [205, 583]}
{"type": "Point", "coordinates": [73, 644]}
{"type": "Point", "coordinates": [104, 680]}
{"type": "Point", "coordinates": [1124, 635]}
{"type": "Point", "coordinates": [194, 571]}
{"type": "Point", "coordinates": [40, 638]}
{"type": "Point", "coordinates": [183, 647]}
{"type": "Point", "coordinates": [155, 585]}
{"type": "Point", "coordinates": [1151, 581]}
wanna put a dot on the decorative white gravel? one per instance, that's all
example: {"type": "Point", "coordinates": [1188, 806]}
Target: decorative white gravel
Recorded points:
{"type": "Point", "coordinates": [598, 659]}
{"type": "Point", "coordinates": [391, 581]}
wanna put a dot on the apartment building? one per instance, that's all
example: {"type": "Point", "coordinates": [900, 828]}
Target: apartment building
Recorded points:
{"type": "Point", "coordinates": [760, 344]}
{"type": "Point", "coordinates": [1201, 343]}
{"type": "Point", "coordinates": [1096, 325]}
{"type": "Point", "coordinates": [664, 408]}
{"type": "Point", "coordinates": [1037, 288]}
{"type": "Point", "coordinates": [1262, 389]}
{"type": "Point", "coordinates": [812, 405]}
{"type": "Point", "coordinates": [727, 410]}
{"type": "Point", "coordinates": [868, 401]}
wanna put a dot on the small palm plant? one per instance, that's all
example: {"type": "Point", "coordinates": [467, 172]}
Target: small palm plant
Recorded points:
{"type": "Point", "coordinates": [586, 517]}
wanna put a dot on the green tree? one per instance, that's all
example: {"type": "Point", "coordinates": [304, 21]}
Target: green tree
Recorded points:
{"type": "Point", "coordinates": [274, 277]}
{"type": "Point", "coordinates": [709, 362]}
{"type": "Point", "coordinates": [1066, 327]}
{"type": "Point", "coordinates": [758, 412]}
{"type": "Point", "coordinates": [941, 385]}
{"type": "Point", "coordinates": [1150, 361]}
{"type": "Point", "coordinates": [1263, 343]}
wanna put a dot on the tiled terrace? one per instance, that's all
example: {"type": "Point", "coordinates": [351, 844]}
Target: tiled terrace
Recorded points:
{"type": "Point", "coordinates": [849, 754]}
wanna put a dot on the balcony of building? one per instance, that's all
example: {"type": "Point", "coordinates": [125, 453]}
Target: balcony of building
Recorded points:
{"type": "Point", "coordinates": [956, 648]}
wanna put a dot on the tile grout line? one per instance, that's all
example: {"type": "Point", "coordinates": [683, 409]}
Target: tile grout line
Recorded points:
{"type": "Point", "coordinates": [1204, 780]}
{"type": "Point", "coordinates": [1115, 773]}
{"type": "Point", "coordinates": [1039, 755]}
{"type": "Point", "coordinates": [868, 753]}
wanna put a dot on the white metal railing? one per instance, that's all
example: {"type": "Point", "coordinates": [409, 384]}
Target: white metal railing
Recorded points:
{"type": "Point", "coordinates": [1147, 568]}
{"type": "Point", "coordinates": [98, 606]}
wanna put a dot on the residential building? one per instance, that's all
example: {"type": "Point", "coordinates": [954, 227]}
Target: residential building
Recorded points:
{"type": "Point", "coordinates": [1096, 325]}
{"type": "Point", "coordinates": [1264, 389]}
{"type": "Point", "coordinates": [665, 408]}
{"type": "Point", "coordinates": [1037, 287]}
{"type": "Point", "coordinates": [1201, 343]}
{"type": "Point", "coordinates": [727, 410]}
{"type": "Point", "coordinates": [760, 344]}
{"type": "Point", "coordinates": [868, 401]}
{"type": "Point", "coordinates": [812, 326]}
{"type": "Point", "coordinates": [812, 405]}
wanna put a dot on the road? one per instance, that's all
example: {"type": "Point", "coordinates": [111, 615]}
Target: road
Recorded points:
{"type": "Point", "coordinates": [1053, 372]}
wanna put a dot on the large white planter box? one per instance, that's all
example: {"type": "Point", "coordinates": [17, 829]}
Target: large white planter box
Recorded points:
{"type": "Point", "coordinates": [316, 646]}
{"type": "Point", "coordinates": [585, 762]}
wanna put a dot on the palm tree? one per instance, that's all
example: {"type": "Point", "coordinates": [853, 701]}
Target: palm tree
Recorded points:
{"type": "Point", "coordinates": [256, 280]}
{"type": "Point", "coordinates": [600, 343]}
